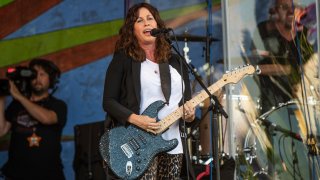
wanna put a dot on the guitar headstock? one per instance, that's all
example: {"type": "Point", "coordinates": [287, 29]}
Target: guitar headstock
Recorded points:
{"type": "Point", "coordinates": [237, 74]}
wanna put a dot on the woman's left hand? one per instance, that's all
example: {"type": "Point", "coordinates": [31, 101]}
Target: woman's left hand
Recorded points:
{"type": "Point", "coordinates": [188, 113]}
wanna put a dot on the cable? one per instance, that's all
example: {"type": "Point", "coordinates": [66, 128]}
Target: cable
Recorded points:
{"type": "Point", "coordinates": [292, 143]}
{"type": "Point", "coordinates": [303, 84]}
{"type": "Point", "coordinates": [286, 163]}
{"type": "Point", "coordinates": [209, 31]}
{"type": "Point", "coordinates": [224, 133]}
{"type": "Point", "coordinates": [303, 88]}
{"type": "Point", "coordinates": [184, 136]}
{"type": "Point", "coordinates": [289, 160]}
{"type": "Point", "coordinates": [280, 154]}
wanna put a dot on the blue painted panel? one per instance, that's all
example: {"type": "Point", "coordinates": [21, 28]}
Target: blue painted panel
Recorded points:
{"type": "Point", "coordinates": [72, 13]}
{"type": "Point", "coordinates": [82, 90]}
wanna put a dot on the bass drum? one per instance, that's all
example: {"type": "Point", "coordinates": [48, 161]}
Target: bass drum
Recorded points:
{"type": "Point", "coordinates": [290, 155]}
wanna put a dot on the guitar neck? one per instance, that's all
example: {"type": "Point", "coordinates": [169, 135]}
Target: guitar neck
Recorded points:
{"type": "Point", "coordinates": [231, 77]}
{"type": "Point", "coordinates": [177, 114]}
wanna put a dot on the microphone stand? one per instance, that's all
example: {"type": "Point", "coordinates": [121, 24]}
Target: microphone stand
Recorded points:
{"type": "Point", "coordinates": [217, 108]}
{"type": "Point", "coordinates": [270, 133]}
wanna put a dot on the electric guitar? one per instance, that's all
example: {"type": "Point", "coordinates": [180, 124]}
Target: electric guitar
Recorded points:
{"type": "Point", "coordinates": [128, 151]}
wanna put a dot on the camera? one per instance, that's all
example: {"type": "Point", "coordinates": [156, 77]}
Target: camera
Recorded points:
{"type": "Point", "coordinates": [21, 76]}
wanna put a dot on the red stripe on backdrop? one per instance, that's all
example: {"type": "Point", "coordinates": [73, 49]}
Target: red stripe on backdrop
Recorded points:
{"type": "Point", "coordinates": [77, 56]}
{"type": "Point", "coordinates": [19, 12]}
{"type": "Point", "coordinates": [83, 54]}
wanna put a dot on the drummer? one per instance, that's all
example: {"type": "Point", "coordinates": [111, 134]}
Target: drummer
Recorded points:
{"type": "Point", "coordinates": [279, 56]}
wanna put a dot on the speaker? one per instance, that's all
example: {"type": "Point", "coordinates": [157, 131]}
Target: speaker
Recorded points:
{"type": "Point", "coordinates": [87, 163]}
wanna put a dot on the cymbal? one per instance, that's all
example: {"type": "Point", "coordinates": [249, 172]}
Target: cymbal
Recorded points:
{"type": "Point", "coordinates": [188, 37]}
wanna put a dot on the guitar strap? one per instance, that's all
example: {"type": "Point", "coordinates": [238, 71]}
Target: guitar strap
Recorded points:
{"type": "Point", "coordinates": [165, 79]}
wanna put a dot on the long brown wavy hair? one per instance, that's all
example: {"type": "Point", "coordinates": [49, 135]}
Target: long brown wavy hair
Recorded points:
{"type": "Point", "coordinates": [128, 42]}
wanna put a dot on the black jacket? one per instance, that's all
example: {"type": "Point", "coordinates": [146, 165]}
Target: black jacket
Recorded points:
{"type": "Point", "coordinates": [122, 97]}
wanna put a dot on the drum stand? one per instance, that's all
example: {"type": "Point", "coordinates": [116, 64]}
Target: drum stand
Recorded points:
{"type": "Point", "coordinates": [217, 108]}
{"type": "Point", "coordinates": [195, 133]}
{"type": "Point", "coordinates": [271, 162]}
{"type": "Point", "coordinates": [271, 128]}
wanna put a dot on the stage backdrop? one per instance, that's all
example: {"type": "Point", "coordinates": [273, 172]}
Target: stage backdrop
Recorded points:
{"type": "Point", "coordinates": [79, 37]}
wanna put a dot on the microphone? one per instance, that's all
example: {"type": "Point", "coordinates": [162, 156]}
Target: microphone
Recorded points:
{"type": "Point", "coordinates": [281, 129]}
{"type": "Point", "coordinates": [154, 32]}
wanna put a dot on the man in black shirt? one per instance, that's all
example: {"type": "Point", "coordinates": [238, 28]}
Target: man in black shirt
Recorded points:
{"type": "Point", "coordinates": [36, 124]}
{"type": "Point", "coordinates": [282, 47]}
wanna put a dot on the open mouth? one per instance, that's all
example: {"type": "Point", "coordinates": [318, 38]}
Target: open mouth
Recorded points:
{"type": "Point", "coordinates": [147, 31]}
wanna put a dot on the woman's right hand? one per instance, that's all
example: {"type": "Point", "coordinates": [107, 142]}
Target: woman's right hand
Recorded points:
{"type": "Point", "coordinates": [144, 122]}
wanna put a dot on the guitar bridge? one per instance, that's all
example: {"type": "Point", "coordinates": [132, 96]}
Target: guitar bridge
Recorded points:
{"type": "Point", "coordinates": [127, 150]}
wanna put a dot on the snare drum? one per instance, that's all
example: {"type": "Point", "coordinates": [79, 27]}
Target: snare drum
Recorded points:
{"type": "Point", "coordinates": [290, 155]}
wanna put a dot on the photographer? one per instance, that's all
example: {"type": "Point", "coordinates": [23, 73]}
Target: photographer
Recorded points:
{"type": "Point", "coordinates": [36, 124]}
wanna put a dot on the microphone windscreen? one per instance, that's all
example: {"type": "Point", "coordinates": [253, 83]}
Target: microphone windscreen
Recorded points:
{"type": "Point", "coordinates": [155, 31]}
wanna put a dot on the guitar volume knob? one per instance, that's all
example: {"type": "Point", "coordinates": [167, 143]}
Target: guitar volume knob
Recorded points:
{"type": "Point", "coordinates": [139, 160]}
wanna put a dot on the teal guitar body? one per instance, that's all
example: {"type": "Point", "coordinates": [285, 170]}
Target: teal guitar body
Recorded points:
{"type": "Point", "coordinates": [129, 151]}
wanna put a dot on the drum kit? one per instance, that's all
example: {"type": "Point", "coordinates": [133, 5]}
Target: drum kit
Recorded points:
{"type": "Point", "coordinates": [285, 156]}
{"type": "Point", "coordinates": [292, 129]}
{"type": "Point", "coordinates": [289, 155]}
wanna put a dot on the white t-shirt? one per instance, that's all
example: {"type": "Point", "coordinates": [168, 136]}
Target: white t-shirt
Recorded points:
{"type": "Point", "coordinates": [151, 91]}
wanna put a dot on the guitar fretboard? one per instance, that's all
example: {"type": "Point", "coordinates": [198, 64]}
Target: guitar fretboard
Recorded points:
{"type": "Point", "coordinates": [177, 114]}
